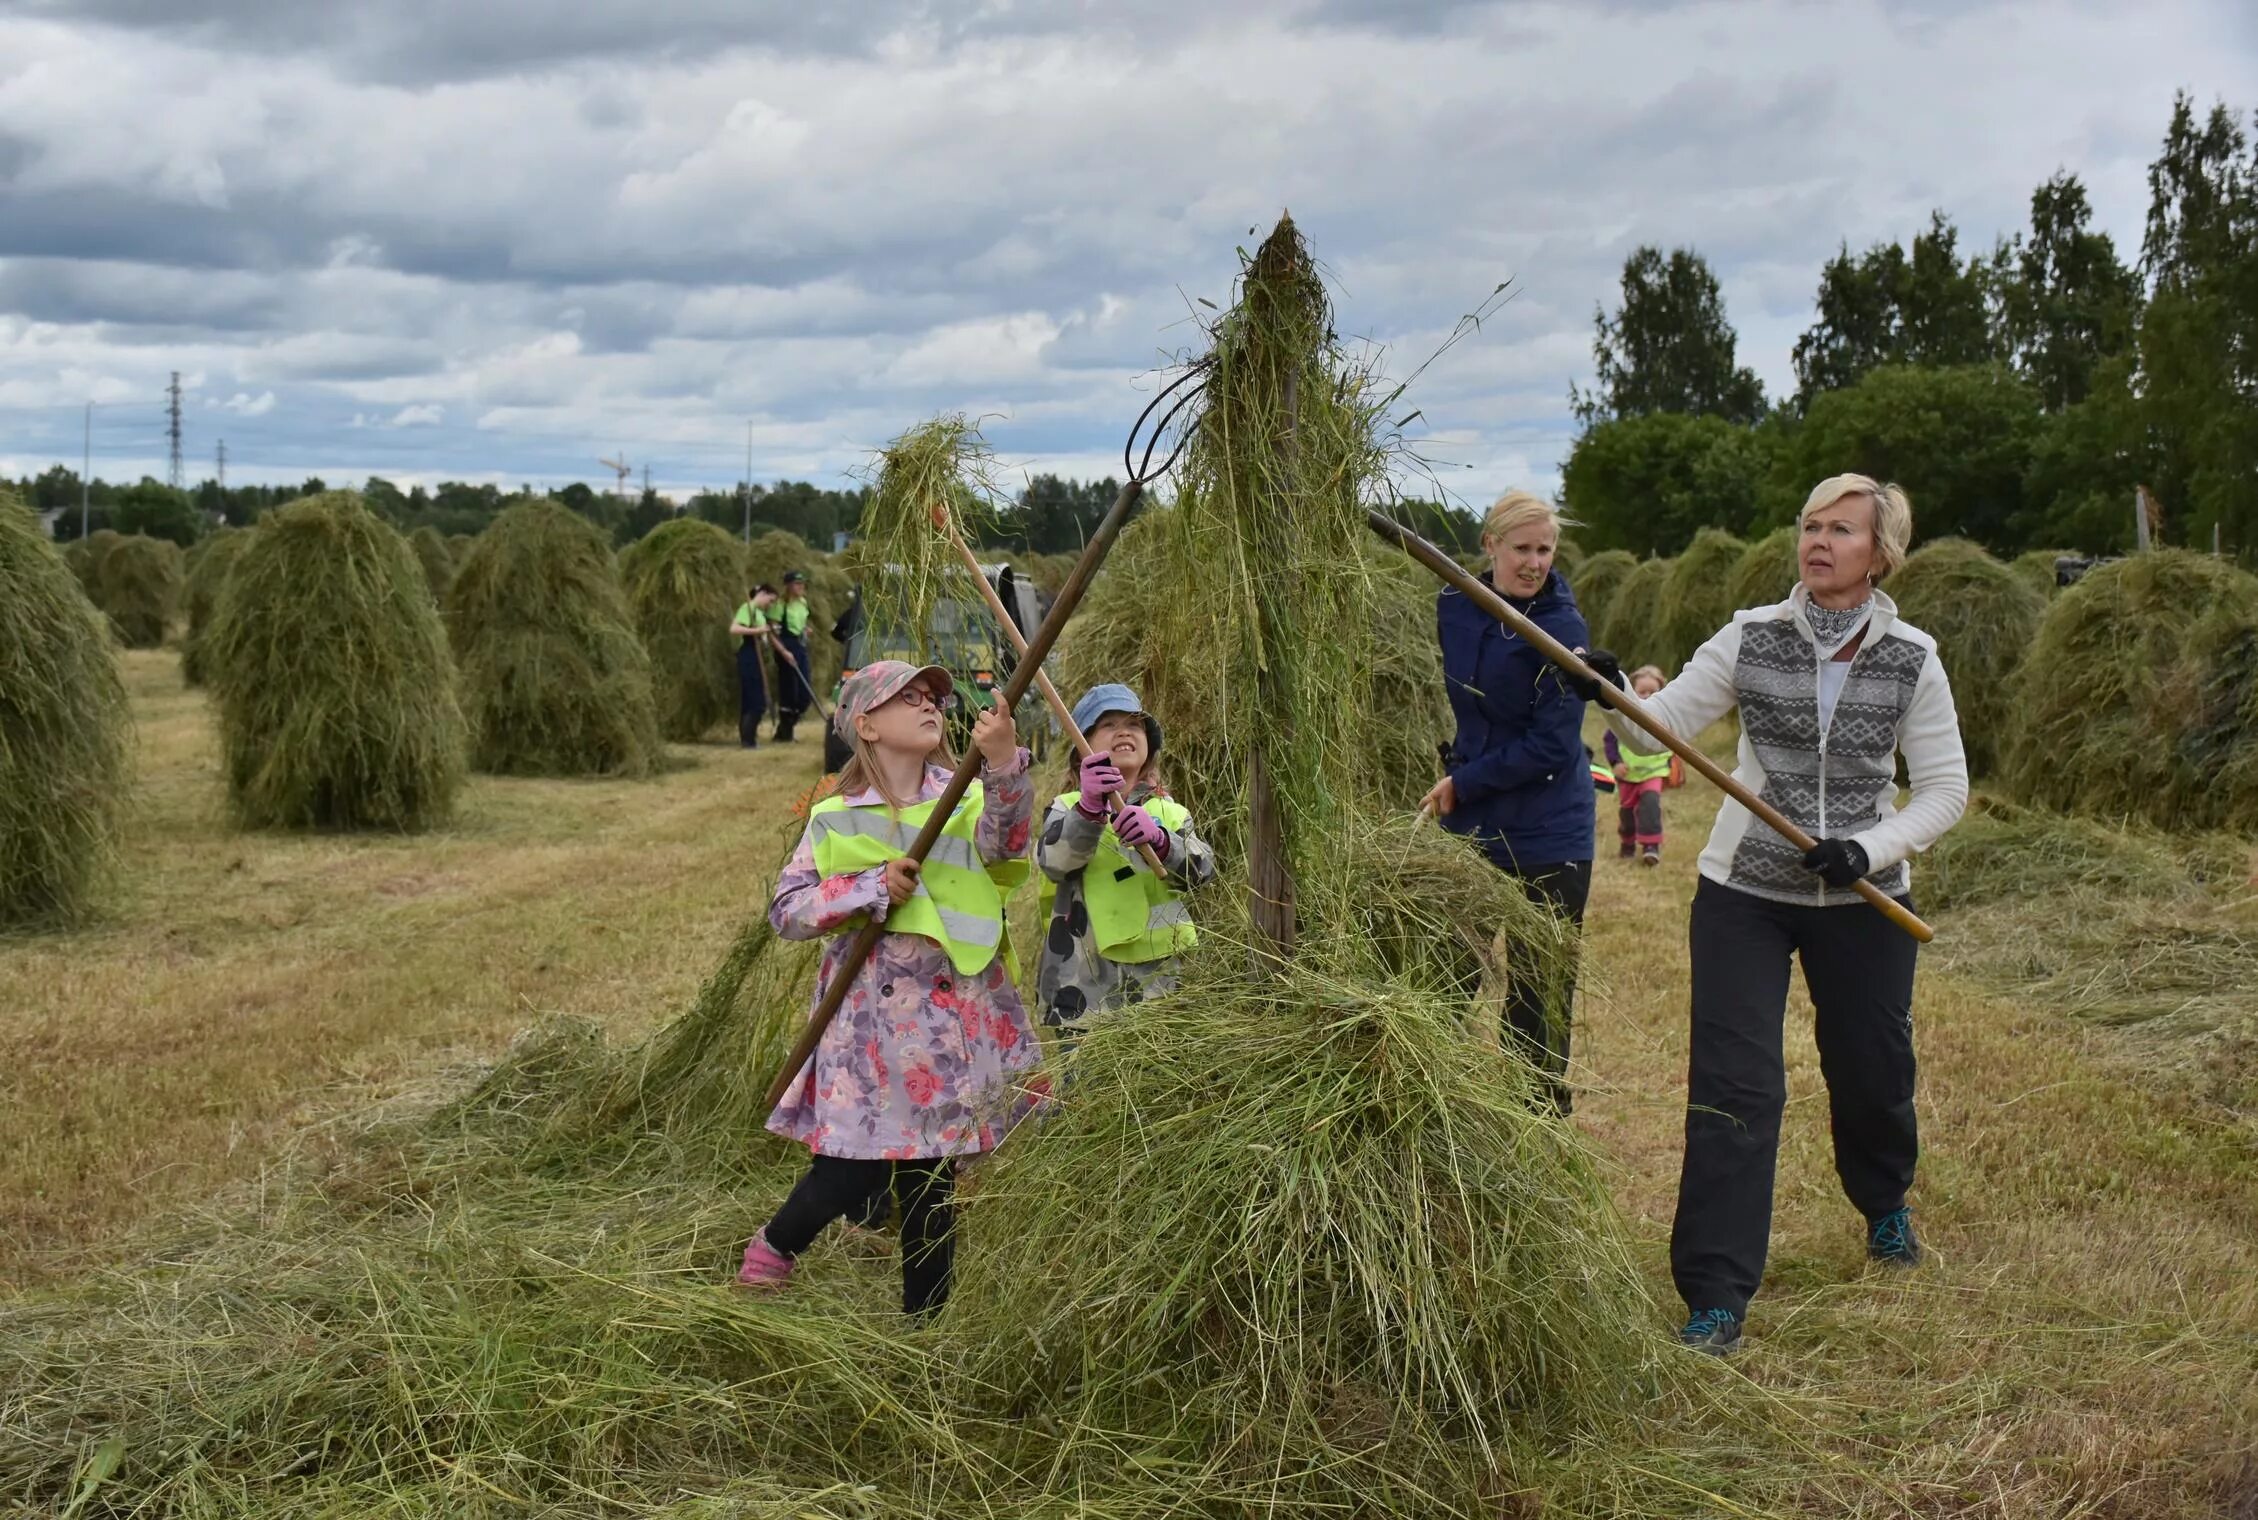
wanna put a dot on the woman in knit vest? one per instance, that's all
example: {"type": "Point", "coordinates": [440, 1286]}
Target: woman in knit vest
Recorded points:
{"type": "Point", "coordinates": [1832, 688]}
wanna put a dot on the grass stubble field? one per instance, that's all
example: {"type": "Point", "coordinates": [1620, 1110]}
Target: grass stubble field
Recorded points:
{"type": "Point", "coordinates": [2084, 1340]}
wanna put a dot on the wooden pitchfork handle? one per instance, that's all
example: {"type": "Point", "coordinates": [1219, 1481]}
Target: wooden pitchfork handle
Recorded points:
{"type": "Point", "coordinates": [1043, 684]}
{"type": "Point", "coordinates": [1455, 574]}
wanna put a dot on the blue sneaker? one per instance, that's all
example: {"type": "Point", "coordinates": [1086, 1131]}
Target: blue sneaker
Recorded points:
{"type": "Point", "coordinates": [1890, 1239]}
{"type": "Point", "coordinates": [1713, 1332]}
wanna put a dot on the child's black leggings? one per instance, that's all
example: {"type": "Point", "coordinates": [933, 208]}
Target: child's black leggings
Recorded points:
{"type": "Point", "coordinates": [838, 1186]}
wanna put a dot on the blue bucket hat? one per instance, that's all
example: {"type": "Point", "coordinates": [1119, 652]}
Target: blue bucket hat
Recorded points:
{"type": "Point", "coordinates": [1113, 697]}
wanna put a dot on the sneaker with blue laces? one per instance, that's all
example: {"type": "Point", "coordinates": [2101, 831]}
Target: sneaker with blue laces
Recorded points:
{"type": "Point", "coordinates": [1713, 1332]}
{"type": "Point", "coordinates": [1890, 1239]}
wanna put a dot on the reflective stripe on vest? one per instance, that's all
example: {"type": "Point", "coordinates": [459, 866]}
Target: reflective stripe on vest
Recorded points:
{"type": "Point", "coordinates": [1135, 916]}
{"type": "Point", "coordinates": [959, 902]}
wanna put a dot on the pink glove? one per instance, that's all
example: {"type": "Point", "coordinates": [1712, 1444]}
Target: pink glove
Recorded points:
{"type": "Point", "coordinates": [1135, 828]}
{"type": "Point", "coordinates": [1099, 777]}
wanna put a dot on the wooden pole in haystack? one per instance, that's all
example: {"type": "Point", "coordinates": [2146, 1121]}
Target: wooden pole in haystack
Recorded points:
{"type": "Point", "coordinates": [1451, 572]}
{"type": "Point", "coordinates": [1018, 641]}
{"type": "Point", "coordinates": [1023, 675]}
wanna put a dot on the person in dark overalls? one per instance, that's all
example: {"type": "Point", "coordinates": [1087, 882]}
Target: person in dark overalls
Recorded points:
{"type": "Point", "coordinates": [795, 677]}
{"type": "Point", "coordinates": [751, 627]}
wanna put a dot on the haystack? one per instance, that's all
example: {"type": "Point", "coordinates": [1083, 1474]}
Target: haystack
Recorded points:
{"type": "Point", "coordinates": [137, 585]}
{"type": "Point", "coordinates": [2035, 569]}
{"type": "Point", "coordinates": [209, 564]}
{"type": "Point", "coordinates": [437, 559]}
{"type": "Point", "coordinates": [1767, 571]}
{"type": "Point", "coordinates": [1598, 579]}
{"type": "Point", "coordinates": [682, 582]}
{"type": "Point", "coordinates": [830, 590]}
{"type": "Point", "coordinates": [1983, 618]}
{"type": "Point", "coordinates": [327, 660]}
{"type": "Point", "coordinates": [86, 556]}
{"type": "Point", "coordinates": [1697, 595]}
{"type": "Point", "coordinates": [554, 680]}
{"type": "Point", "coordinates": [2120, 686]}
{"type": "Point", "coordinates": [1632, 629]}
{"type": "Point", "coordinates": [64, 734]}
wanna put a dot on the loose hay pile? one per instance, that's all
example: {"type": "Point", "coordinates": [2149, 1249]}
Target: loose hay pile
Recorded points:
{"type": "Point", "coordinates": [682, 583]}
{"type": "Point", "coordinates": [554, 680]}
{"type": "Point", "coordinates": [1983, 618]}
{"type": "Point", "coordinates": [137, 584]}
{"type": "Point", "coordinates": [336, 697]}
{"type": "Point", "coordinates": [437, 559]}
{"type": "Point", "coordinates": [64, 734]}
{"type": "Point", "coordinates": [1697, 595]}
{"type": "Point", "coordinates": [2035, 569]}
{"type": "Point", "coordinates": [209, 564]}
{"type": "Point", "coordinates": [1632, 628]}
{"type": "Point", "coordinates": [1598, 579]}
{"type": "Point", "coordinates": [2118, 708]}
{"type": "Point", "coordinates": [1767, 571]}
{"type": "Point", "coordinates": [86, 556]}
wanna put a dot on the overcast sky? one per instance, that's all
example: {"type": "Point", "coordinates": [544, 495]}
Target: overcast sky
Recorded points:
{"type": "Point", "coordinates": [432, 239]}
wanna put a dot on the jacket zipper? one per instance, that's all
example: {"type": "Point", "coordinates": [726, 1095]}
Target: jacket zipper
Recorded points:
{"type": "Point", "coordinates": [1826, 723]}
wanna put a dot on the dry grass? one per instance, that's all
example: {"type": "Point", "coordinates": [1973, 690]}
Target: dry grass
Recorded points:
{"type": "Point", "coordinates": [2084, 1343]}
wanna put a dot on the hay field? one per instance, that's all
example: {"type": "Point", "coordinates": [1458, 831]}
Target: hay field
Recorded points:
{"type": "Point", "coordinates": [2084, 1343]}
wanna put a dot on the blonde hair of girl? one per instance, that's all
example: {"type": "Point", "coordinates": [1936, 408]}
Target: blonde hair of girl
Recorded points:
{"type": "Point", "coordinates": [862, 773]}
{"type": "Point", "coordinates": [1646, 672]}
{"type": "Point", "coordinates": [1516, 510]}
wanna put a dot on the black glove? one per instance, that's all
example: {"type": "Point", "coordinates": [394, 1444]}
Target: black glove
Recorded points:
{"type": "Point", "coordinates": [1838, 862]}
{"type": "Point", "coordinates": [1603, 665]}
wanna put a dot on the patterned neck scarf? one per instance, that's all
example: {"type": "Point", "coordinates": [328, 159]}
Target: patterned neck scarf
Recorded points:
{"type": "Point", "coordinates": [1833, 627]}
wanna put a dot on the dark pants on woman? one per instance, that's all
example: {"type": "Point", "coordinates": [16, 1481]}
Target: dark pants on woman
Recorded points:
{"type": "Point", "coordinates": [752, 692]}
{"type": "Point", "coordinates": [837, 1187]}
{"type": "Point", "coordinates": [1537, 1016]}
{"type": "Point", "coordinates": [1859, 969]}
{"type": "Point", "coordinates": [791, 685]}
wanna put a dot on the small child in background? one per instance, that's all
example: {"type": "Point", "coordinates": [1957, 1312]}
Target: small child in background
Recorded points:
{"type": "Point", "coordinates": [1639, 780]}
{"type": "Point", "coordinates": [1113, 932]}
{"type": "Point", "coordinates": [922, 1064]}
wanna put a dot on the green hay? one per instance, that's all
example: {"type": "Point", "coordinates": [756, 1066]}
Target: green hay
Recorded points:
{"type": "Point", "coordinates": [1697, 595]}
{"type": "Point", "coordinates": [2035, 569]}
{"type": "Point", "coordinates": [1767, 571]}
{"type": "Point", "coordinates": [437, 560]}
{"type": "Point", "coordinates": [209, 565]}
{"type": "Point", "coordinates": [2119, 692]}
{"type": "Point", "coordinates": [65, 735]}
{"type": "Point", "coordinates": [1983, 619]}
{"type": "Point", "coordinates": [137, 584]}
{"type": "Point", "coordinates": [554, 680]}
{"type": "Point", "coordinates": [1598, 579]}
{"type": "Point", "coordinates": [1569, 556]}
{"type": "Point", "coordinates": [459, 546]}
{"type": "Point", "coordinates": [329, 666]}
{"type": "Point", "coordinates": [1631, 630]}
{"type": "Point", "coordinates": [682, 584]}
{"type": "Point", "coordinates": [907, 565]}
{"type": "Point", "coordinates": [86, 556]}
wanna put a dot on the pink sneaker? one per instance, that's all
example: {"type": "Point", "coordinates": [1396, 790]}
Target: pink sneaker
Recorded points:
{"type": "Point", "coordinates": [765, 1267]}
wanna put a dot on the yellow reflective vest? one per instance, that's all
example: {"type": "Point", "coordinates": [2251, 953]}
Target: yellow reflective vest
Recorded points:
{"type": "Point", "coordinates": [1135, 916]}
{"type": "Point", "coordinates": [959, 902]}
{"type": "Point", "coordinates": [1640, 767]}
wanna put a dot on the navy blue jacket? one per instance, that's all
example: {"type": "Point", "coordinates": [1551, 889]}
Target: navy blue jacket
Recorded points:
{"type": "Point", "coordinates": [1523, 780]}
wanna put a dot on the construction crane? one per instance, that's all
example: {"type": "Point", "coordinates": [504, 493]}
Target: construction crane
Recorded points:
{"type": "Point", "coordinates": [620, 468]}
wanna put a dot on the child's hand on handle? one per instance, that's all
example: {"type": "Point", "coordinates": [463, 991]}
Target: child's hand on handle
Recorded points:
{"type": "Point", "coordinates": [994, 737]}
{"type": "Point", "coordinates": [1100, 779]}
{"type": "Point", "coordinates": [901, 880]}
{"type": "Point", "coordinates": [1137, 830]}
{"type": "Point", "coordinates": [1440, 798]}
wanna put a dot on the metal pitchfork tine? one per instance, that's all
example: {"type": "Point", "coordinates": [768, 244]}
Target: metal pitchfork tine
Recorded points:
{"type": "Point", "coordinates": [1142, 472]}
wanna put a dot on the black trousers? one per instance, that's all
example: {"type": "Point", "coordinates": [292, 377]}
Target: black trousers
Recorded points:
{"type": "Point", "coordinates": [1537, 1018]}
{"type": "Point", "coordinates": [791, 686]}
{"type": "Point", "coordinates": [752, 693]}
{"type": "Point", "coordinates": [1859, 967]}
{"type": "Point", "coordinates": [838, 1187]}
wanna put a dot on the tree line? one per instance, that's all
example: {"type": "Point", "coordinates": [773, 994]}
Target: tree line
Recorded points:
{"type": "Point", "coordinates": [2019, 394]}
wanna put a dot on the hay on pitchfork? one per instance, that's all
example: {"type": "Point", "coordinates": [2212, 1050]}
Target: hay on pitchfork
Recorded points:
{"type": "Point", "coordinates": [682, 583]}
{"type": "Point", "coordinates": [65, 734]}
{"type": "Point", "coordinates": [329, 667]}
{"type": "Point", "coordinates": [208, 566]}
{"type": "Point", "coordinates": [1696, 595]}
{"type": "Point", "coordinates": [1767, 571]}
{"type": "Point", "coordinates": [554, 680]}
{"type": "Point", "coordinates": [1983, 618]}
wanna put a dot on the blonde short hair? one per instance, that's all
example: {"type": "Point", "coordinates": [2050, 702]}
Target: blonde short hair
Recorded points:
{"type": "Point", "coordinates": [1518, 509]}
{"type": "Point", "coordinates": [1893, 515]}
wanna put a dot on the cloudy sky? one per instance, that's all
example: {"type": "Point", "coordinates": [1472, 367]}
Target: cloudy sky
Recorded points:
{"type": "Point", "coordinates": [430, 239]}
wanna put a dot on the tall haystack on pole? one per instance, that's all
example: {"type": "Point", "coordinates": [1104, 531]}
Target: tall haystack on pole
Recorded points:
{"type": "Point", "coordinates": [1632, 628]}
{"type": "Point", "coordinates": [65, 734]}
{"type": "Point", "coordinates": [209, 564]}
{"type": "Point", "coordinates": [138, 586]}
{"type": "Point", "coordinates": [1596, 581]}
{"type": "Point", "coordinates": [1983, 618]}
{"type": "Point", "coordinates": [2121, 684]}
{"type": "Point", "coordinates": [86, 556]}
{"type": "Point", "coordinates": [1767, 572]}
{"type": "Point", "coordinates": [2035, 569]}
{"type": "Point", "coordinates": [681, 581]}
{"type": "Point", "coordinates": [336, 696]}
{"type": "Point", "coordinates": [554, 680]}
{"type": "Point", "coordinates": [1696, 599]}
{"type": "Point", "coordinates": [437, 560]}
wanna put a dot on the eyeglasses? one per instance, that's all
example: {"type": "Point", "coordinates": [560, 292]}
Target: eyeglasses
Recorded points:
{"type": "Point", "coordinates": [915, 697]}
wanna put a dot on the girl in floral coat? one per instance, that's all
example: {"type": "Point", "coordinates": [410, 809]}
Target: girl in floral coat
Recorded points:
{"type": "Point", "coordinates": [924, 1062]}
